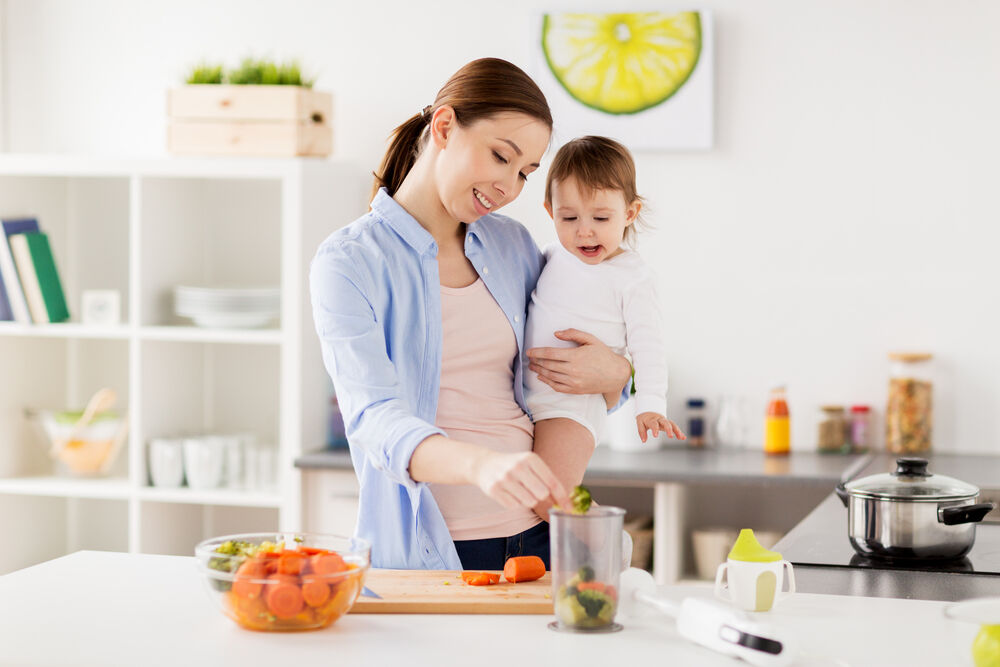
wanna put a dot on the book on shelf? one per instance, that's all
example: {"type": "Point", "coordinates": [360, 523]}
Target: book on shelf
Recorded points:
{"type": "Point", "coordinates": [39, 278]}
{"type": "Point", "coordinates": [8, 270]}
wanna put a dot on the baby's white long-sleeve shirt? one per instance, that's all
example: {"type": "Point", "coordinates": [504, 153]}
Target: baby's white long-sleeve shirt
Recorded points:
{"type": "Point", "coordinates": [616, 301]}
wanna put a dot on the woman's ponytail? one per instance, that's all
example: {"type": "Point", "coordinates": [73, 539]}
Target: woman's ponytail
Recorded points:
{"type": "Point", "coordinates": [481, 89]}
{"type": "Point", "coordinates": [404, 146]}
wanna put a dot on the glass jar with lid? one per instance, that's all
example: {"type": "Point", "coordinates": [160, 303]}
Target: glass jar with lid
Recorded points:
{"type": "Point", "coordinates": [909, 413]}
{"type": "Point", "coordinates": [831, 430]}
{"type": "Point", "coordinates": [860, 428]}
{"type": "Point", "coordinates": [696, 414]}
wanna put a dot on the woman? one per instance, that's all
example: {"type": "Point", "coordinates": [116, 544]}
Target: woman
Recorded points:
{"type": "Point", "coordinates": [420, 308]}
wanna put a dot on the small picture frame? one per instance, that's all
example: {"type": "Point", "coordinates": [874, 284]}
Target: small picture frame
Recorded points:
{"type": "Point", "coordinates": [101, 308]}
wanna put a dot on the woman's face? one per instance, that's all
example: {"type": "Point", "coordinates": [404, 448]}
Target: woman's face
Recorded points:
{"type": "Point", "coordinates": [484, 165]}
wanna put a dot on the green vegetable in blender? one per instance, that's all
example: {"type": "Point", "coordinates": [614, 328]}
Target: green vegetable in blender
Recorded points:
{"type": "Point", "coordinates": [581, 499]}
{"type": "Point", "coordinates": [586, 573]}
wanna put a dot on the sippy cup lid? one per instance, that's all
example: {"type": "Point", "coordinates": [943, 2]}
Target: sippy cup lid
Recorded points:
{"type": "Point", "coordinates": [747, 548]}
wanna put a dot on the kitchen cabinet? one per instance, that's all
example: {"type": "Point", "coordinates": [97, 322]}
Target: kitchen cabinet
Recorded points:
{"type": "Point", "coordinates": [142, 227]}
{"type": "Point", "coordinates": [330, 501]}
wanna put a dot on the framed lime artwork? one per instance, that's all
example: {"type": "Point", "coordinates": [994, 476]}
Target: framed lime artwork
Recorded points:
{"type": "Point", "coordinates": [643, 78]}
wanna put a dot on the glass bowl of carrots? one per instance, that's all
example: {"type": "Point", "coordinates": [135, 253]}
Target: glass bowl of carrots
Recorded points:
{"type": "Point", "coordinates": [284, 581]}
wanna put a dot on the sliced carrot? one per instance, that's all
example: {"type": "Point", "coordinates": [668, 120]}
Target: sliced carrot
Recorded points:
{"type": "Point", "coordinates": [315, 591]}
{"type": "Point", "coordinates": [328, 563]}
{"type": "Point", "coordinates": [611, 592]}
{"type": "Point", "coordinates": [283, 596]}
{"type": "Point", "coordinates": [591, 586]}
{"type": "Point", "coordinates": [311, 551]}
{"type": "Point", "coordinates": [523, 568]}
{"type": "Point", "coordinates": [244, 585]}
{"type": "Point", "coordinates": [480, 578]}
{"type": "Point", "coordinates": [290, 562]}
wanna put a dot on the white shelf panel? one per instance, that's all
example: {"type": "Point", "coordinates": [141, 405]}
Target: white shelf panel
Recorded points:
{"type": "Point", "coordinates": [231, 497]}
{"type": "Point", "coordinates": [201, 335]}
{"type": "Point", "coordinates": [109, 488]}
{"type": "Point", "coordinates": [63, 330]}
{"type": "Point", "coordinates": [166, 166]}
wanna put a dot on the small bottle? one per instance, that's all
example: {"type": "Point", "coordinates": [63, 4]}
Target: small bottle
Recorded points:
{"type": "Point", "coordinates": [777, 426]}
{"type": "Point", "coordinates": [696, 422]}
{"type": "Point", "coordinates": [860, 428]}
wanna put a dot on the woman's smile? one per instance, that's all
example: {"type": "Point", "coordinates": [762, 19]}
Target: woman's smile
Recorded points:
{"type": "Point", "coordinates": [485, 202]}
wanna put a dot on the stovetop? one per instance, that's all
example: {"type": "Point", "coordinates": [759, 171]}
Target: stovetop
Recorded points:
{"type": "Point", "coordinates": [822, 540]}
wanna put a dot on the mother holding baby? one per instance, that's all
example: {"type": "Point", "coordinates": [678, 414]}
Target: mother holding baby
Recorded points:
{"type": "Point", "coordinates": [420, 307]}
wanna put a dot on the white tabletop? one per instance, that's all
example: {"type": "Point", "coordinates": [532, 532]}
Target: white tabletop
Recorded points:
{"type": "Point", "coordinates": [101, 608]}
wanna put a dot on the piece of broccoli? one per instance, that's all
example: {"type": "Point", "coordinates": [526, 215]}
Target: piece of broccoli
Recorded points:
{"type": "Point", "coordinates": [581, 499]}
{"type": "Point", "coordinates": [586, 573]}
{"type": "Point", "coordinates": [592, 601]}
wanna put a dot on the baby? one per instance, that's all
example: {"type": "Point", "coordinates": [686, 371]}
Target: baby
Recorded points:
{"type": "Point", "coordinates": [591, 283]}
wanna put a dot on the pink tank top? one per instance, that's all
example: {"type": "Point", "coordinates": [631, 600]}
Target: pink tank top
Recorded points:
{"type": "Point", "coordinates": [476, 404]}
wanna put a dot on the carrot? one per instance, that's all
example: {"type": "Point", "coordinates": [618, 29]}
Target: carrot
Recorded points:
{"type": "Point", "coordinates": [315, 591]}
{"type": "Point", "coordinates": [243, 584]}
{"type": "Point", "coordinates": [290, 562]}
{"type": "Point", "coordinates": [480, 578]}
{"type": "Point", "coordinates": [284, 597]}
{"type": "Point", "coordinates": [591, 586]}
{"type": "Point", "coordinates": [523, 568]}
{"type": "Point", "coordinates": [327, 563]}
{"type": "Point", "coordinates": [311, 551]}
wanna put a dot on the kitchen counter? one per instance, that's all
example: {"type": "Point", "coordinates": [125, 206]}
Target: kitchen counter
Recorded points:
{"type": "Point", "coordinates": [681, 465]}
{"type": "Point", "coordinates": [100, 608]}
{"type": "Point", "coordinates": [669, 471]}
{"type": "Point", "coordinates": [813, 540]}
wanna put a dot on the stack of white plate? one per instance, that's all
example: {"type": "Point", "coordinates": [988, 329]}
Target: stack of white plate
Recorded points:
{"type": "Point", "coordinates": [228, 308]}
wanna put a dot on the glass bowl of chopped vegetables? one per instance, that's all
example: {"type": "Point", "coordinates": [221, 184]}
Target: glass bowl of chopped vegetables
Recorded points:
{"type": "Point", "coordinates": [284, 581]}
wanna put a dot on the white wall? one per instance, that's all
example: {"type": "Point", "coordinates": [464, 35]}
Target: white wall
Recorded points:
{"type": "Point", "coordinates": [848, 208]}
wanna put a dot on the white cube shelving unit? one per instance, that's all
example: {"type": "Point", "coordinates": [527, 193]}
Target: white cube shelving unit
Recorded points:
{"type": "Point", "coordinates": [142, 227]}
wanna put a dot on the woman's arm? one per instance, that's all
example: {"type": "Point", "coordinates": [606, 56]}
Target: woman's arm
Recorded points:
{"type": "Point", "coordinates": [590, 368]}
{"type": "Point", "coordinates": [513, 480]}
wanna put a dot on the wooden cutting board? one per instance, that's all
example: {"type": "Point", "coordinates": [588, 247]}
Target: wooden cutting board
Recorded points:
{"type": "Point", "coordinates": [444, 592]}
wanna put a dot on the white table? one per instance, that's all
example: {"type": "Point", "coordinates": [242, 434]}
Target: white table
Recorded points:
{"type": "Point", "coordinates": [101, 608]}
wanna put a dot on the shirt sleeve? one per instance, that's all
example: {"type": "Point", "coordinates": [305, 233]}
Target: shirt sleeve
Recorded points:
{"type": "Point", "coordinates": [376, 416]}
{"type": "Point", "coordinates": [644, 339]}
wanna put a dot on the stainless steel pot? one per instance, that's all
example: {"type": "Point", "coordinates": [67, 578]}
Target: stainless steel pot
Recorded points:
{"type": "Point", "coordinates": [911, 514]}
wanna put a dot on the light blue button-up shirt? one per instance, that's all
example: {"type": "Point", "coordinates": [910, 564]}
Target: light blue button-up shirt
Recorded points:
{"type": "Point", "coordinates": [376, 299]}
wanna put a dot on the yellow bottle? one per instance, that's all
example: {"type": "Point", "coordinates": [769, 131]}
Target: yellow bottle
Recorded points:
{"type": "Point", "coordinates": [777, 427]}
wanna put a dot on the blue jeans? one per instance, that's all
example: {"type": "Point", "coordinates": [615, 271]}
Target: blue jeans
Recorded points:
{"type": "Point", "coordinates": [491, 553]}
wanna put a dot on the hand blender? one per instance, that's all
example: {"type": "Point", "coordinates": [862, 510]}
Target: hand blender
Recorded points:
{"type": "Point", "coordinates": [714, 625]}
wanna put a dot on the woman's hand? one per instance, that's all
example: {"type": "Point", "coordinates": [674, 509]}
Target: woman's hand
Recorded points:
{"type": "Point", "coordinates": [651, 421]}
{"type": "Point", "coordinates": [518, 480]}
{"type": "Point", "coordinates": [590, 368]}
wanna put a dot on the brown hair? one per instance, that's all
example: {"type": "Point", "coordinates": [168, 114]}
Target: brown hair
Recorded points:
{"type": "Point", "coordinates": [481, 89]}
{"type": "Point", "coordinates": [597, 163]}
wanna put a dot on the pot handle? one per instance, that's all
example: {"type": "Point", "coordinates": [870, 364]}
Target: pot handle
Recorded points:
{"type": "Point", "coordinates": [952, 516]}
{"type": "Point", "coordinates": [842, 493]}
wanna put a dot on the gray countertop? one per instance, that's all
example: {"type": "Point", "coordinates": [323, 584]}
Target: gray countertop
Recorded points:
{"type": "Point", "coordinates": [683, 465]}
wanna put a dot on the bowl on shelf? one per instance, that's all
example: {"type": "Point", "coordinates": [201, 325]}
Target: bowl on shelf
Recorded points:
{"type": "Point", "coordinates": [283, 581]}
{"type": "Point", "coordinates": [975, 631]}
{"type": "Point", "coordinates": [92, 450]}
{"type": "Point", "coordinates": [227, 307]}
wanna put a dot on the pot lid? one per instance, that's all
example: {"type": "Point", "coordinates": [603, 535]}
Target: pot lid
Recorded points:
{"type": "Point", "coordinates": [911, 481]}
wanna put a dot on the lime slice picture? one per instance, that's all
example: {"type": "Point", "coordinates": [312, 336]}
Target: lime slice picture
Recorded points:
{"type": "Point", "coordinates": [622, 63]}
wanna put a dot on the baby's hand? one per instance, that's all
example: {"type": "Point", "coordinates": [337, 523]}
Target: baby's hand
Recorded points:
{"type": "Point", "coordinates": [651, 421]}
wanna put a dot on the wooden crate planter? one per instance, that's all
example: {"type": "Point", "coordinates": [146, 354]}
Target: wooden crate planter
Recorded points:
{"type": "Point", "coordinates": [276, 121]}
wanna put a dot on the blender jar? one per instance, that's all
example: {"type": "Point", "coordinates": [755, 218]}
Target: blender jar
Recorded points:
{"type": "Point", "coordinates": [586, 561]}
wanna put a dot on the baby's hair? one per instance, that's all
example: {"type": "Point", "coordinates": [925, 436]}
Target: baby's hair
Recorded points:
{"type": "Point", "coordinates": [597, 163]}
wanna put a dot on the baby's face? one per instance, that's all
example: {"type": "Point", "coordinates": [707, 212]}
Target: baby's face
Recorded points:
{"type": "Point", "coordinates": [590, 226]}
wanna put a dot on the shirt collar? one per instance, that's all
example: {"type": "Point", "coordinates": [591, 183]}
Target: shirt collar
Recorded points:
{"type": "Point", "coordinates": [402, 222]}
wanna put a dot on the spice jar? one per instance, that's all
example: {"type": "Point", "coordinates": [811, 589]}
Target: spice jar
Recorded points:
{"type": "Point", "coordinates": [696, 422]}
{"type": "Point", "coordinates": [860, 428]}
{"type": "Point", "coordinates": [832, 430]}
{"type": "Point", "coordinates": [908, 416]}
